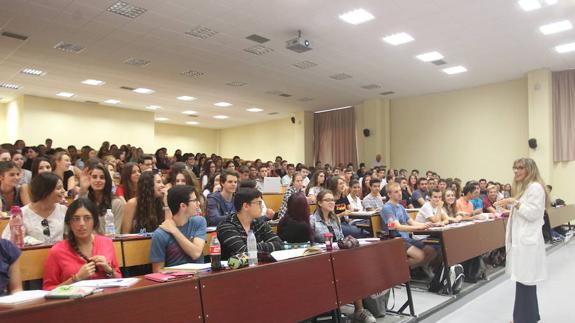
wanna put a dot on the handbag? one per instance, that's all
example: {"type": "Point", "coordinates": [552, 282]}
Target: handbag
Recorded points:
{"type": "Point", "coordinates": [377, 303]}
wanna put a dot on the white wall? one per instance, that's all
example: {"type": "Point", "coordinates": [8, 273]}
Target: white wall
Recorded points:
{"type": "Point", "coordinates": [188, 139]}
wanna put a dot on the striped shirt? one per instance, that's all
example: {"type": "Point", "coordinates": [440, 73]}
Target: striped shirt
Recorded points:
{"type": "Point", "coordinates": [233, 238]}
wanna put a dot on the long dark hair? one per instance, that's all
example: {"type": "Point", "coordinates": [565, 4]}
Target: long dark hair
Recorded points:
{"type": "Point", "coordinates": [149, 210]}
{"type": "Point", "coordinates": [333, 186]}
{"type": "Point", "coordinates": [42, 186]}
{"type": "Point", "coordinates": [126, 180]}
{"type": "Point", "coordinates": [298, 208]}
{"type": "Point", "coordinates": [36, 165]}
{"type": "Point", "coordinates": [107, 191]}
{"type": "Point", "coordinates": [313, 181]}
{"type": "Point", "coordinates": [81, 202]}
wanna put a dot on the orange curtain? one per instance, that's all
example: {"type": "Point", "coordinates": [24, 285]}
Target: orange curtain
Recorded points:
{"type": "Point", "coordinates": [334, 137]}
{"type": "Point", "coordinates": [563, 89]}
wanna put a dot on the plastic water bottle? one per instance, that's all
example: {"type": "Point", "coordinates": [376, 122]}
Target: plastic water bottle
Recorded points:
{"type": "Point", "coordinates": [252, 249]}
{"type": "Point", "coordinates": [216, 254]}
{"type": "Point", "coordinates": [110, 227]}
{"type": "Point", "coordinates": [16, 227]}
{"type": "Point", "coordinates": [392, 230]}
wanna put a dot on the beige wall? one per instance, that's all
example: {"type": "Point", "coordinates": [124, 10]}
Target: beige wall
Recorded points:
{"type": "Point", "coordinates": [470, 133]}
{"type": "Point", "coordinates": [3, 137]}
{"type": "Point", "coordinates": [188, 139]}
{"type": "Point", "coordinates": [374, 115]}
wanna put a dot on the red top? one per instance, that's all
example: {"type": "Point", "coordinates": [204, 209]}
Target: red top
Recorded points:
{"type": "Point", "coordinates": [120, 191]}
{"type": "Point", "coordinates": [63, 261]}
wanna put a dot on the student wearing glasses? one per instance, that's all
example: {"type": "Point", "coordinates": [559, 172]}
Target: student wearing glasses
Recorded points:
{"type": "Point", "coordinates": [84, 254]}
{"type": "Point", "coordinates": [44, 218]}
{"type": "Point", "coordinates": [180, 238]}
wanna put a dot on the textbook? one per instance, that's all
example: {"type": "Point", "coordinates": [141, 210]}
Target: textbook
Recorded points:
{"type": "Point", "coordinates": [168, 276]}
{"type": "Point", "coordinates": [193, 267]}
{"type": "Point", "coordinates": [22, 297]}
{"type": "Point", "coordinates": [280, 255]}
{"type": "Point", "coordinates": [105, 283]}
{"type": "Point", "coordinates": [70, 291]}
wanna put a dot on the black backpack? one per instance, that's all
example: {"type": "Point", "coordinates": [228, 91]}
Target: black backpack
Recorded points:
{"type": "Point", "coordinates": [474, 270]}
{"type": "Point", "coordinates": [439, 282]}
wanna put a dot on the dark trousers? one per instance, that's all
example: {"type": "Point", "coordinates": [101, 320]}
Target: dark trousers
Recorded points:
{"type": "Point", "coordinates": [526, 309]}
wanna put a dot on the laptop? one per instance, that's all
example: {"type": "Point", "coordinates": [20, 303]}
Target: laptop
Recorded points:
{"type": "Point", "coordinates": [272, 185]}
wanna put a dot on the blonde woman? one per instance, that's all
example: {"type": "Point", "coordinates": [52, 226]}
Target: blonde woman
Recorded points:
{"type": "Point", "coordinates": [524, 239]}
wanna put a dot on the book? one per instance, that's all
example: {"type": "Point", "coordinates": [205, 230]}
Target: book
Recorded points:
{"type": "Point", "coordinates": [193, 267]}
{"type": "Point", "coordinates": [168, 276]}
{"type": "Point", "coordinates": [106, 283]}
{"type": "Point", "coordinates": [70, 291]}
{"type": "Point", "coordinates": [22, 297]}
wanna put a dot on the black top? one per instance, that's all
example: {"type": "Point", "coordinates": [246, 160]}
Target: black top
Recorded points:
{"type": "Point", "coordinates": [293, 231]}
{"type": "Point", "coordinates": [67, 175]}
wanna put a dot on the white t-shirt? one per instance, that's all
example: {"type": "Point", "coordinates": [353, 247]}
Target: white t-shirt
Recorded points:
{"type": "Point", "coordinates": [425, 212]}
{"type": "Point", "coordinates": [356, 204]}
{"type": "Point", "coordinates": [33, 224]}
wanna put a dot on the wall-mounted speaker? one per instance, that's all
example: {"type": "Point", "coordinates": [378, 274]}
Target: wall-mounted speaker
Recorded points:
{"type": "Point", "coordinates": [366, 132]}
{"type": "Point", "coordinates": [532, 143]}
{"type": "Point", "coordinates": [292, 120]}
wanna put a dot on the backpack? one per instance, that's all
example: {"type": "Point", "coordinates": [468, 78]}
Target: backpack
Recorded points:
{"type": "Point", "coordinates": [474, 270]}
{"type": "Point", "coordinates": [439, 282]}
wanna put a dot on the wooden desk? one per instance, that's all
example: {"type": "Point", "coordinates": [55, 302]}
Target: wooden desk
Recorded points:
{"type": "Point", "coordinates": [273, 201]}
{"type": "Point", "coordinates": [146, 301]}
{"type": "Point", "coordinates": [32, 261]}
{"type": "Point", "coordinates": [374, 222]}
{"type": "Point", "coordinates": [287, 291]}
{"type": "Point", "coordinates": [136, 251]}
{"type": "Point", "coordinates": [561, 215]}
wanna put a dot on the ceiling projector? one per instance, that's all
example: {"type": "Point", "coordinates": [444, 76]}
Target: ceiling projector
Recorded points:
{"type": "Point", "coordinates": [298, 44]}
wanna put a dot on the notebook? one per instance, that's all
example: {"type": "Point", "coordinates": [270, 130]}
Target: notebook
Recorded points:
{"type": "Point", "coordinates": [22, 297]}
{"type": "Point", "coordinates": [70, 291]}
{"type": "Point", "coordinates": [272, 185]}
{"type": "Point", "coordinates": [105, 283]}
{"type": "Point", "coordinates": [168, 276]}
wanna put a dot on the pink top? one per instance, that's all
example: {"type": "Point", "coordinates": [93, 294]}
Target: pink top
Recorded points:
{"type": "Point", "coordinates": [464, 205]}
{"type": "Point", "coordinates": [63, 261]}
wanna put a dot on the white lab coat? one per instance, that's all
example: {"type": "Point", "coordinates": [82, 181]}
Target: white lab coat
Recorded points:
{"type": "Point", "coordinates": [524, 239]}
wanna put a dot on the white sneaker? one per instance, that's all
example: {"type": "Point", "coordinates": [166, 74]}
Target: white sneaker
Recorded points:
{"type": "Point", "coordinates": [363, 316]}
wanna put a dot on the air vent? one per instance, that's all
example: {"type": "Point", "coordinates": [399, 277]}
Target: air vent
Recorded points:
{"type": "Point", "coordinates": [69, 47]}
{"type": "Point", "coordinates": [201, 32]}
{"type": "Point", "coordinates": [192, 73]}
{"type": "Point", "coordinates": [304, 65]}
{"type": "Point", "coordinates": [127, 88]}
{"type": "Point", "coordinates": [285, 95]}
{"type": "Point", "coordinates": [127, 10]}
{"type": "Point", "coordinates": [14, 35]}
{"type": "Point", "coordinates": [387, 93]}
{"type": "Point", "coordinates": [258, 50]}
{"type": "Point", "coordinates": [306, 99]}
{"type": "Point", "coordinates": [371, 87]}
{"type": "Point", "coordinates": [10, 86]}
{"type": "Point", "coordinates": [137, 61]}
{"type": "Point", "coordinates": [274, 92]}
{"type": "Point", "coordinates": [192, 115]}
{"type": "Point", "coordinates": [91, 102]}
{"type": "Point", "coordinates": [273, 113]}
{"type": "Point", "coordinates": [340, 76]}
{"type": "Point", "coordinates": [257, 38]}
{"type": "Point", "coordinates": [236, 84]}
{"type": "Point", "coordinates": [32, 72]}
{"type": "Point", "coordinates": [439, 62]}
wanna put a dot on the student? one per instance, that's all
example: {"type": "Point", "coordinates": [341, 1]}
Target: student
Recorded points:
{"type": "Point", "coordinates": [262, 173]}
{"type": "Point", "coordinates": [10, 281]}
{"type": "Point", "coordinates": [146, 211]}
{"type": "Point", "coordinates": [464, 205]}
{"type": "Point", "coordinates": [25, 175]}
{"type": "Point", "coordinates": [84, 254]}
{"type": "Point", "coordinates": [442, 184]}
{"type": "Point", "coordinates": [324, 220]}
{"type": "Point", "coordinates": [489, 199]}
{"type": "Point", "coordinates": [343, 208]}
{"type": "Point", "coordinates": [373, 201]}
{"type": "Point", "coordinates": [418, 254]}
{"type": "Point", "coordinates": [405, 195]}
{"type": "Point", "coordinates": [179, 239]}
{"type": "Point", "coordinates": [40, 165]}
{"type": "Point", "coordinates": [233, 231]}
{"type": "Point", "coordinates": [179, 175]}
{"type": "Point", "coordinates": [146, 163]}
{"type": "Point", "coordinates": [221, 204]}
{"type": "Point", "coordinates": [294, 227]}
{"type": "Point", "coordinates": [10, 194]}
{"type": "Point", "coordinates": [208, 171]}
{"type": "Point", "coordinates": [253, 173]}
{"type": "Point", "coordinates": [316, 184]}
{"type": "Point", "coordinates": [432, 211]}
{"type": "Point", "coordinates": [421, 194]}
{"type": "Point", "coordinates": [61, 167]}
{"type": "Point", "coordinates": [296, 185]}
{"type": "Point", "coordinates": [365, 184]}
{"type": "Point", "coordinates": [287, 178]}
{"type": "Point", "coordinates": [354, 196]}
{"type": "Point", "coordinates": [411, 184]}
{"type": "Point", "coordinates": [244, 173]}
{"type": "Point", "coordinates": [450, 206]}
{"type": "Point", "coordinates": [43, 218]}
{"type": "Point", "coordinates": [129, 177]}
{"type": "Point", "coordinates": [162, 161]}
{"type": "Point", "coordinates": [214, 185]}
{"type": "Point", "coordinates": [266, 212]}
{"type": "Point", "coordinates": [96, 185]}
{"type": "Point", "coordinates": [31, 153]}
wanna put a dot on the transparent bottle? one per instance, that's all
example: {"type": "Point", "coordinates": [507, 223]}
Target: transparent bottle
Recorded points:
{"type": "Point", "coordinates": [252, 249]}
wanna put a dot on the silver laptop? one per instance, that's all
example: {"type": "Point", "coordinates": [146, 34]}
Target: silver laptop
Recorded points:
{"type": "Point", "coordinates": [272, 185]}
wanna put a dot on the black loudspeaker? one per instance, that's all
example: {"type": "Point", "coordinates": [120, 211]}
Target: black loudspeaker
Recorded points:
{"type": "Point", "coordinates": [532, 143]}
{"type": "Point", "coordinates": [292, 120]}
{"type": "Point", "coordinates": [366, 132]}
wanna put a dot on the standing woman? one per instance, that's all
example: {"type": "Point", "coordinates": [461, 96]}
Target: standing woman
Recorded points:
{"type": "Point", "coordinates": [128, 187]}
{"type": "Point", "coordinates": [61, 167]}
{"type": "Point", "coordinates": [524, 239]}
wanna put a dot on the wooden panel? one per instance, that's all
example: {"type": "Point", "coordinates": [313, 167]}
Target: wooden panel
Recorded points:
{"type": "Point", "coordinates": [32, 262]}
{"type": "Point", "coordinates": [136, 251]}
{"type": "Point", "coordinates": [561, 215]}
{"type": "Point", "coordinates": [287, 291]}
{"type": "Point", "coordinates": [464, 243]}
{"type": "Point", "coordinates": [119, 253]}
{"type": "Point", "coordinates": [3, 224]}
{"type": "Point", "coordinates": [273, 201]}
{"type": "Point", "coordinates": [374, 222]}
{"type": "Point", "coordinates": [369, 269]}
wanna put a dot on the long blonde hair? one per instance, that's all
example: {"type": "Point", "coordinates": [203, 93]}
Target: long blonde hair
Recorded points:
{"type": "Point", "coordinates": [532, 175]}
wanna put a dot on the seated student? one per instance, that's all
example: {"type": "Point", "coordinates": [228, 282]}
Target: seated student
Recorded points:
{"type": "Point", "coordinates": [294, 227]}
{"type": "Point", "coordinates": [324, 220]}
{"type": "Point", "coordinates": [84, 254]}
{"type": "Point", "coordinates": [354, 196]}
{"type": "Point", "coordinates": [40, 165]}
{"type": "Point", "coordinates": [287, 178]}
{"type": "Point", "coordinates": [146, 163]}
{"type": "Point", "coordinates": [373, 201]}
{"type": "Point", "coordinates": [61, 167]}
{"type": "Point", "coordinates": [343, 208]}
{"type": "Point", "coordinates": [209, 169]}
{"type": "Point", "coordinates": [43, 219]}
{"type": "Point", "coordinates": [442, 184]}
{"type": "Point", "coordinates": [5, 155]}
{"type": "Point", "coordinates": [262, 173]}
{"type": "Point", "coordinates": [464, 205]}
{"type": "Point", "coordinates": [418, 254]}
{"type": "Point", "coordinates": [181, 238]}
{"type": "Point", "coordinates": [25, 175]}
{"type": "Point", "coordinates": [10, 194]}
{"type": "Point", "coordinates": [450, 205]}
{"type": "Point", "coordinates": [405, 195]}
{"type": "Point", "coordinates": [489, 199]}
{"type": "Point", "coordinates": [244, 173]}
{"type": "Point", "coordinates": [179, 175]}
{"type": "Point", "coordinates": [96, 185]}
{"type": "Point", "coordinates": [10, 281]}
{"type": "Point", "coordinates": [146, 211]}
{"type": "Point", "coordinates": [432, 211]}
{"type": "Point", "coordinates": [221, 204]}
{"type": "Point", "coordinates": [129, 176]}
{"type": "Point", "coordinates": [296, 185]}
{"type": "Point", "coordinates": [316, 184]}
{"type": "Point", "coordinates": [365, 184]}
{"type": "Point", "coordinates": [233, 231]}
{"type": "Point", "coordinates": [212, 186]}
{"type": "Point", "coordinates": [421, 194]}
{"type": "Point", "coordinates": [266, 212]}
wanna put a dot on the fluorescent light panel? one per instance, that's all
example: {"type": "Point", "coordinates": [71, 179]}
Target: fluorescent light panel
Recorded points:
{"type": "Point", "coordinates": [529, 5]}
{"type": "Point", "coordinates": [93, 82]}
{"type": "Point", "coordinates": [143, 90]}
{"type": "Point", "coordinates": [454, 70]}
{"type": "Point", "coordinates": [65, 94]}
{"type": "Point", "coordinates": [565, 48]}
{"type": "Point", "coordinates": [161, 119]}
{"type": "Point", "coordinates": [429, 57]}
{"type": "Point", "coordinates": [398, 39]}
{"type": "Point", "coordinates": [254, 110]}
{"type": "Point", "coordinates": [556, 27]}
{"type": "Point", "coordinates": [220, 117]}
{"type": "Point", "coordinates": [223, 104]}
{"type": "Point", "coordinates": [192, 122]}
{"type": "Point", "coordinates": [10, 86]}
{"type": "Point", "coordinates": [186, 98]}
{"type": "Point", "coordinates": [153, 107]}
{"type": "Point", "coordinates": [356, 17]}
{"type": "Point", "coordinates": [189, 112]}
{"type": "Point", "coordinates": [32, 72]}
{"type": "Point", "coordinates": [112, 101]}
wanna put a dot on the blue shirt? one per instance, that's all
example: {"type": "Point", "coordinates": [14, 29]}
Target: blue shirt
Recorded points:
{"type": "Point", "coordinates": [396, 212]}
{"type": "Point", "coordinates": [477, 203]}
{"type": "Point", "coordinates": [166, 249]}
{"type": "Point", "coordinates": [9, 253]}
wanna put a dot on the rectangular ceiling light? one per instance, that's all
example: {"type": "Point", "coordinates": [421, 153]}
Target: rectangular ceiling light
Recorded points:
{"type": "Point", "coordinates": [161, 119]}
{"type": "Point", "coordinates": [565, 48]}
{"type": "Point", "coordinates": [127, 10]}
{"type": "Point", "coordinates": [221, 117]}
{"type": "Point", "coordinates": [186, 98]}
{"type": "Point", "coordinates": [10, 86]}
{"type": "Point", "coordinates": [32, 72]}
{"type": "Point", "coordinates": [556, 27]}
{"type": "Point", "coordinates": [189, 112]}
{"type": "Point", "coordinates": [143, 90]}
{"type": "Point", "coordinates": [65, 94]}
{"type": "Point", "coordinates": [223, 104]}
{"type": "Point", "coordinates": [112, 101]}
{"type": "Point", "coordinates": [429, 57]}
{"type": "Point", "coordinates": [454, 70]}
{"type": "Point", "coordinates": [398, 39]}
{"type": "Point", "coordinates": [153, 107]}
{"type": "Point", "coordinates": [93, 82]}
{"type": "Point", "coordinates": [356, 17]}
{"type": "Point", "coordinates": [529, 5]}
{"type": "Point", "coordinates": [192, 122]}
{"type": "Point", "coordinates": [254, 110]}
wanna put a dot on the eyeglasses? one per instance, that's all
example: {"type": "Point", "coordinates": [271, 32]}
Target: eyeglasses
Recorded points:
{"type": "Point", "coordinates": [260, 202]}
{"type": "Point", "coordinates": [328, 200]}
{"type": "Point", "coordinates": [194, 201]}
{"type": "Point", "coordinates": [86, 218]}
{"type": "Point", "coordinates": [46, 227]}
{"type": "Point", "coordinates": [518, 167]}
